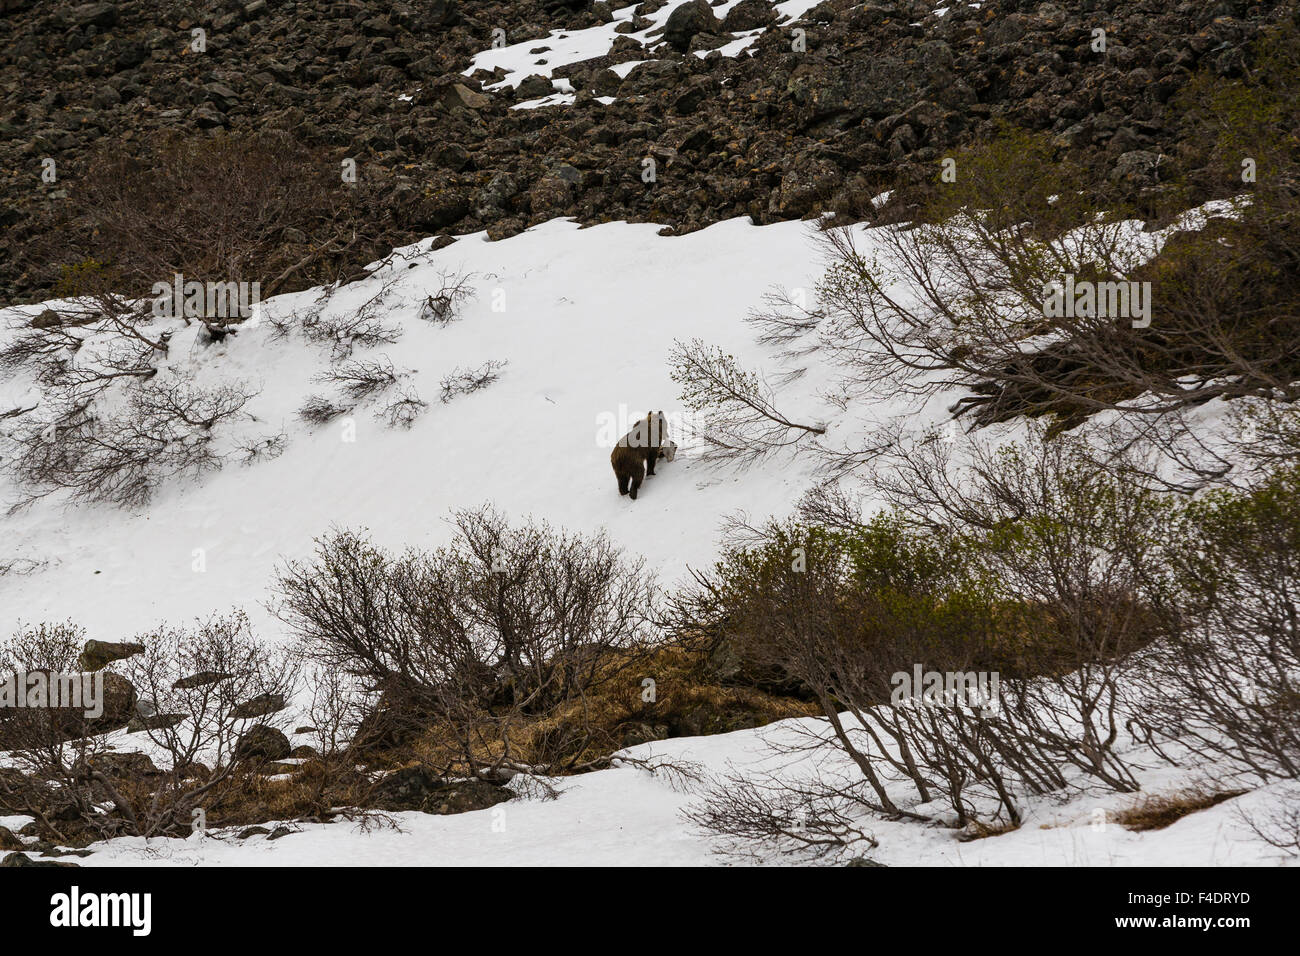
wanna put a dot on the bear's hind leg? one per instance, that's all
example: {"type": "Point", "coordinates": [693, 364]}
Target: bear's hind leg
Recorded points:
{"type": "Point", "coordinates": [622, 484]}
{"type": "Point", "coordinates": [636, 483]}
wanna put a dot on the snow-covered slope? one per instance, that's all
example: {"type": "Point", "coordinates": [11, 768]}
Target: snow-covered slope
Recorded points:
{"type": "Point", "coordinates": [585, 319]}
{"type": "Point", "coordinates": [626, 816]}
{"type": "Point", "coordinates": [588, 318]}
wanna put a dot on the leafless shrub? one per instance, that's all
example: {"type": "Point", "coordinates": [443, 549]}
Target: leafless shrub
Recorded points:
{"type": "Point", "coordinates": [318, 410]}
{"type": "Point", "coordinates": [682, 776]}
{"type": "Point", "coordinates": [473, 643]}
{"type": "Point", "coordinates": [1025, 563]}
{"type": "Point", "coordinates": [282, 325]}
{"type": "Point", "coordinates": [1069, 535]}
{"type": "Point", "coordinates": [345, 330]}
{"type": "Point", "coordinates": [96, 340]}
{"type": "Point", "coordinates": [842, 616]}
{"type": "Point", "coordinates": [959, 301]}
{"type": "Point", "coordinates": [359, 379]}
{"type": "Point", "coordinates": [443, 307]}
{"type": "Point", "coordinates": [162, 427]}
{"type": "Point", "coordinates": [39, 350]}
{"type": "Point", "coordinates": [241, 207]}
{"type": "Point", "coordinates": [253, 450]}
{"type": "Point", "coordinates": [403, 410]}
{"type": "Point", "coordinates": [51, 748]}
{"type": "Point", "coordinates": [350, 331]}
{"type": "Point", "coordinates": [742, 421]}
{"type": "Point", "coordinates": [1112, 611]}
{"type": "Point", "coordinates": [1224, 683]}
{"type": "Point", "coordinates": [533, 786]}
{"type": "Point", "coordinates": [463, 381]}
{"type": "Point", "coordinates": [196, 685]}
{"type": "Point", "coordinates": [337, 711]}
{"type": "Point", "coordinates": [1278, 826]}
{"type": "Point", "coordinates": [192, 692]}
{"type": "Point", "coordinates": [1262, 434]}
{"type": "Point", "coordinates": [52, 646]}
{"type": "Point", "coordinates": [112, 421]}
{"type": "Point", "coordinates": [804, 818]}
{"type": "Point", "coordinates": [785, 319]}
{"type": "Point", "coordinates": [831, 505]}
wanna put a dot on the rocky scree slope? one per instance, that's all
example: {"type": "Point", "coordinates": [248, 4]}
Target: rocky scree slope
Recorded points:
{"type": "Point", "coordinates": [883, 88]}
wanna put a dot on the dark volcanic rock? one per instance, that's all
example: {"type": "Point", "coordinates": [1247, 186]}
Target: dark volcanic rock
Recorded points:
{"type": "Point", "coordinates": [883, 88]}
{"type": "Point", "coordinates": [262, 742]}
{"type": "Point", "coordinates": [258, 706]}
{"type": "Point", "coordinates": [97, 655]}
{"type": "Point", "coordinates": [749, 15]}
{"type": "Point", "coordinates": [415, 788]}
{"type": "Point", "coordinates": [686, 21]}
{"type": "Point", "coordinates": [22, 859]}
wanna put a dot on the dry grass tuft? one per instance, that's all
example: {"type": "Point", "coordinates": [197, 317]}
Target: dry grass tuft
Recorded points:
{"type": "Point", "coordinates": [1158, 811]}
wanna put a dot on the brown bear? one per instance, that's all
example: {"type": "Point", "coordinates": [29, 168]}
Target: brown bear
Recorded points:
{"type": "Point", "coordinates": [635, 454]}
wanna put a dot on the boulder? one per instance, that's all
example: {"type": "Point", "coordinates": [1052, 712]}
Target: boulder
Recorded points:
{"type": "Point", "coordinates": [120, 699]}
{"type": "Point", "coordinates": [686, 21]}
{"type": "Point", "coordinates": [415, 788]}
{"type": "Point", "coordinates": [97, 655]}
{"type": "Point", "coordinates": [642, 733]}
{"type": "Point", "coordinates": [605, 82]}
{"type": "Point", "coordinates": [440, 13]}
{"type": "Point", "coordinates": [440, 208]}
{"type": "Point", "coordinates": [749, 15]}
{"type": "Point", "coordinates": [99, 15]}
{"type": "Point", "coordinates": [201, 679]}
{"type": "Point", "coordinates": [27, 727]}
{"type": "Point", "coordinates": [142, 722]}
{"type": "Point", "coordinates": [534, 87]}
{"type": "Point", "coordinates": [122, 765]}
{"type": "Point", "coordinates": [1137, 167]}
{"type": "Point", "coordinates": [22, 859]}
{"type": "Point", "coordinates": [808, 181]}
{"type": "Point", "coordinates": [550, 194]}
{"type": "Point", "coordinates": [207, 117]}
{"type": "Point", "coordinates": [262, 742]}
{"type": "Point", "coordinates": [458, 96]}
{"type": "Point", "coordinates": [259, 706]}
